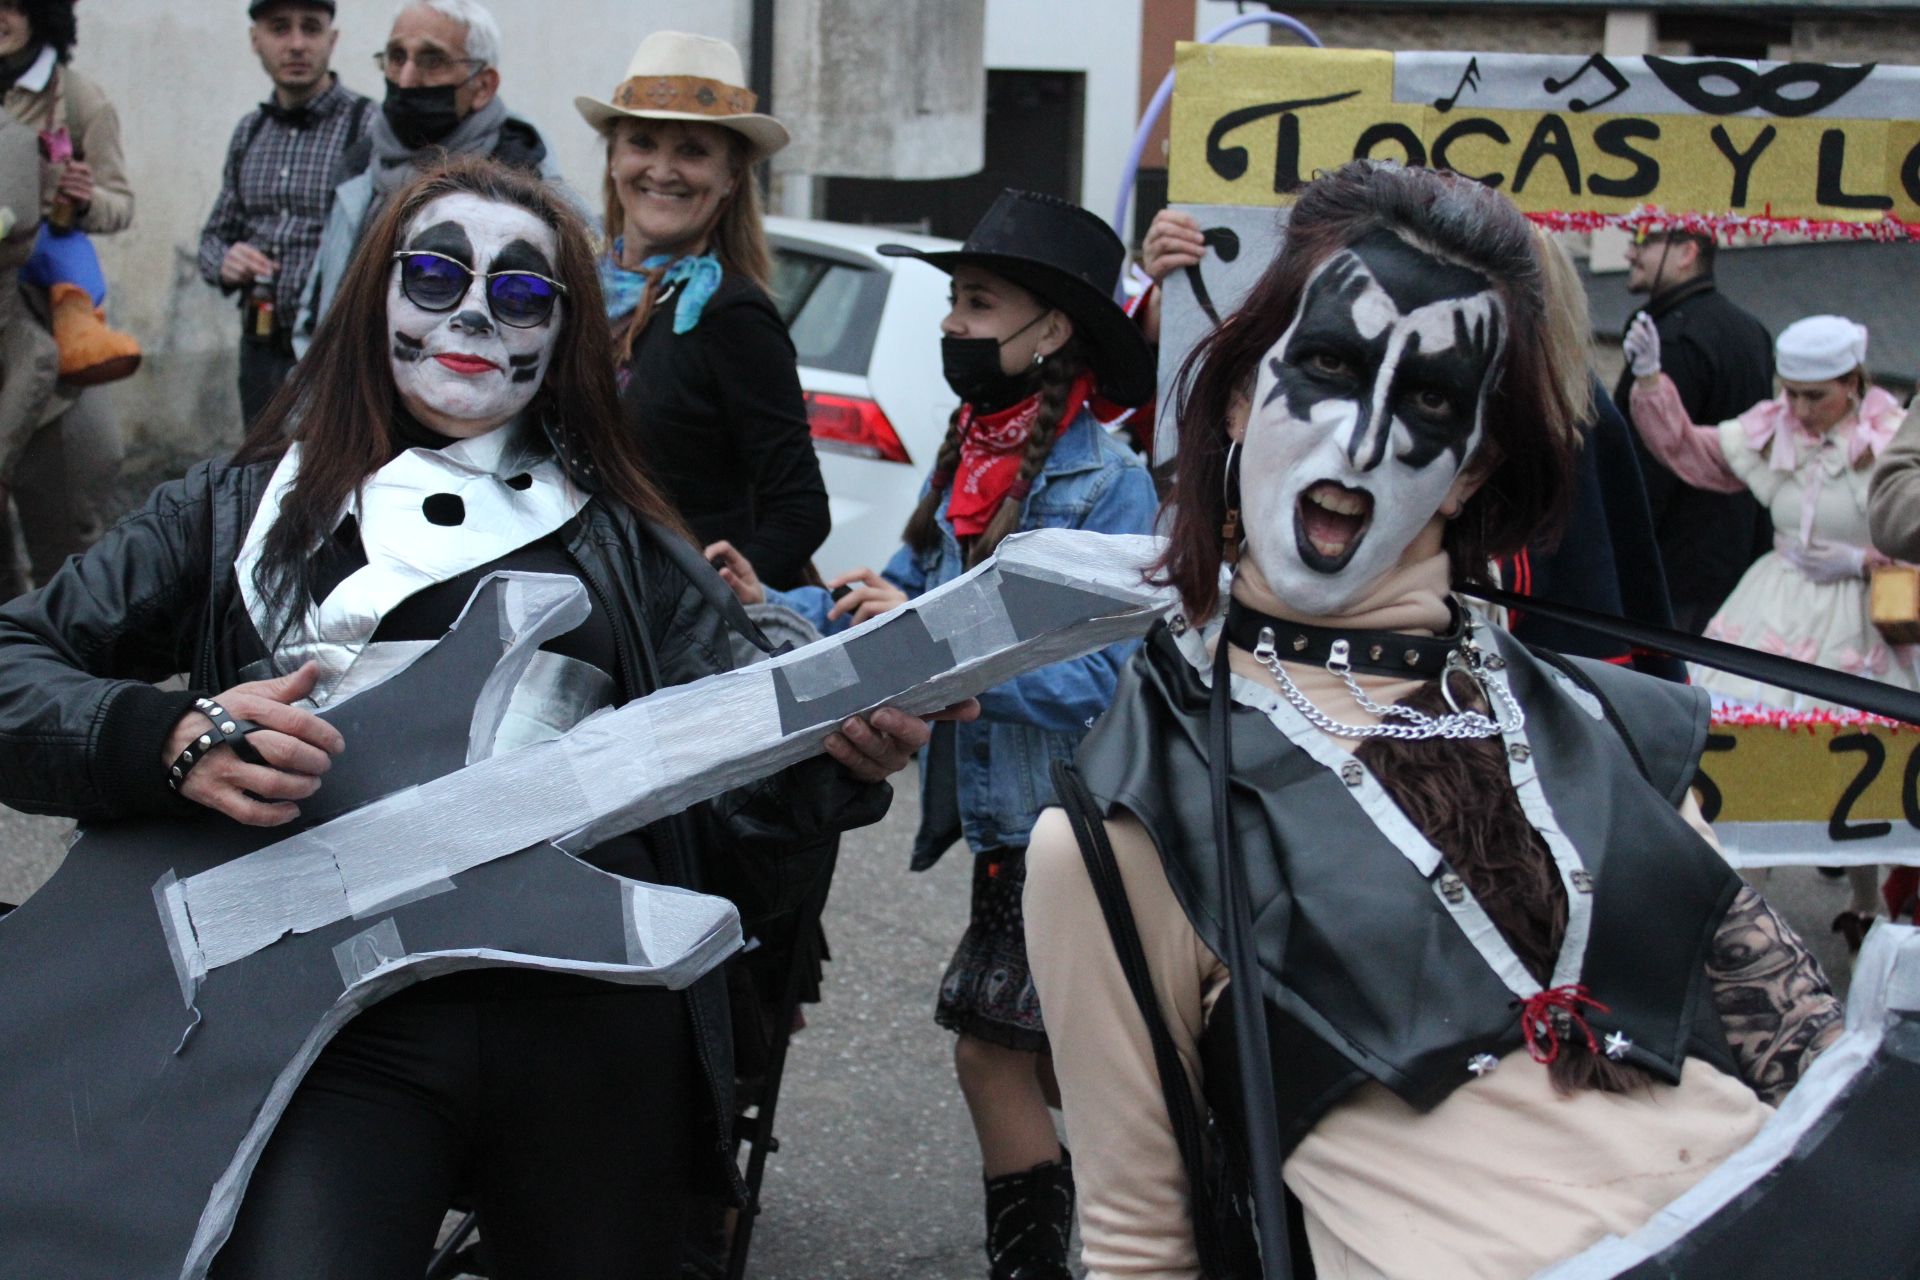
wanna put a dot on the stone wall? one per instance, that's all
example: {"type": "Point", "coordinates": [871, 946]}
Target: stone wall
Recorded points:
{"type": "Point", "coordinates": [1892, 38]}
{"type": "Point", "coordinates": [881, 88]}
{"type": "Point", "coordinates": [1458, 28]}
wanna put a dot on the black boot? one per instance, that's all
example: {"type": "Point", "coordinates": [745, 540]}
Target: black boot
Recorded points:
{"type": "Point", "coordinates": [1028, 1217]}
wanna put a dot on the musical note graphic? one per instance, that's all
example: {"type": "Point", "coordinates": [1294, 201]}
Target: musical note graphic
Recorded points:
{"type": "Point", "coordinates": [1469, 80]}
{"type": "Point", "coordinates": [1599, 63]}
{"type": "Point", "coordinates": [1225, 242]}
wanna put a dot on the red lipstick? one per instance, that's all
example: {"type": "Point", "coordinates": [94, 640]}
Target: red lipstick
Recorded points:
{"type": "Point", "coordinates": [465, 364]}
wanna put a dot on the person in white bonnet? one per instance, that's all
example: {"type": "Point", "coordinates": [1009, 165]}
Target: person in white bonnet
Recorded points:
{"type": "Point", "coordinates": [1808, 455]}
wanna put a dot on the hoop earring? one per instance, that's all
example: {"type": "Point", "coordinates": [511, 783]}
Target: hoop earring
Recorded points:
{"type": "Point", "coordinates": [1230, 489]}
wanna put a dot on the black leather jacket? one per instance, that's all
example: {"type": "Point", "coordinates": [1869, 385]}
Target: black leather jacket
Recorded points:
{"type": "Point", "coordinates": [82, 727]}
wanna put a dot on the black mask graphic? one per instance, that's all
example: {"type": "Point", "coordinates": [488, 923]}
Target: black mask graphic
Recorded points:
{"type": "Point", "coordinates": [972, 369]}
{"type": "Point", "coordinates": [420, 115]}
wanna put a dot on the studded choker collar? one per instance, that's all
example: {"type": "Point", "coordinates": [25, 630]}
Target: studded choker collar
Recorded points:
{"type": "Point", "coordinates": [1377, 653]}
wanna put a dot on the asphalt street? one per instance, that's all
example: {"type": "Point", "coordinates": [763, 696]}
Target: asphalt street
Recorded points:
{"type": "Point", "coordinates": [876, 1176]}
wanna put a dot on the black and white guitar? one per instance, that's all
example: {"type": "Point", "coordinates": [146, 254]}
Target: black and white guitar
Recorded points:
{"type": "Point", "coordinates": [163, 995]}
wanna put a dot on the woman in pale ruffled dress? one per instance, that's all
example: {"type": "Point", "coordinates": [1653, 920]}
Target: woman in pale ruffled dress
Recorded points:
{"type": "Point", "coordinates": [1807, 454]}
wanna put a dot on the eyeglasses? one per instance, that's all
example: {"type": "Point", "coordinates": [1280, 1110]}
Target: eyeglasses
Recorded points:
{"type": "Point", "coordinates": [435, 282]}
{"type": "Point", "coordinates": [431, 62]}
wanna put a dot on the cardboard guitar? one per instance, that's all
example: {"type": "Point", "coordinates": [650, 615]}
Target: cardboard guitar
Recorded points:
{"type": "Point", "coordinates": [163, 995]}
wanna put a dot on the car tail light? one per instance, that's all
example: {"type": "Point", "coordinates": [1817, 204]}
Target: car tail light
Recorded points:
{"type": "Point", "coordinates": [852, 424]}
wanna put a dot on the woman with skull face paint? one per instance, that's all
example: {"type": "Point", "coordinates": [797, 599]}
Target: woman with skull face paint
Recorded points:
{"type": "Point", "coordinates": [1478, 895]}
{"type": "Point", "coordinates": [1032, 343]}
{"type": "Point", "coordinates": [465, 360]}
{"type": "Point", "coordinates": [707, 371]}
{"type": "Point", "coordinates": [1807, 454]}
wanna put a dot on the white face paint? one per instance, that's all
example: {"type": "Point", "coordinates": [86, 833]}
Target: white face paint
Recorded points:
{"type": "Point", "coordinates": [459, 369]}
{"type": "Point", "coordinates": [1365, 413]}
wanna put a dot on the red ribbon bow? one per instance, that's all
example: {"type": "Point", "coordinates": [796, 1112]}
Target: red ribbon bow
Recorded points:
{"type": "Point", "coordinates": [1539, 1015]}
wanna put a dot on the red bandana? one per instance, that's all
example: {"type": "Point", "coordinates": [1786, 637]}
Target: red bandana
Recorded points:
{"type": "Point", "coordinates": [991, 447]}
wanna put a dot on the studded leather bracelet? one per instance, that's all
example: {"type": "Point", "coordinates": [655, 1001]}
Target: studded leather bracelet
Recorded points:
{"type": "Point", "coordinates": [225, 729]}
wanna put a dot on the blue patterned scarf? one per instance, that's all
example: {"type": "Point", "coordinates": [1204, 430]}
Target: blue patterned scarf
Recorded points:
{"type": "Point", "coordinates": [697, 277]}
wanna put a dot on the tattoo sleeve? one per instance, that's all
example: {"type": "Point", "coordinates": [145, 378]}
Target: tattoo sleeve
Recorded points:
{"type": "Point", "coordinates": [1775, 1003]}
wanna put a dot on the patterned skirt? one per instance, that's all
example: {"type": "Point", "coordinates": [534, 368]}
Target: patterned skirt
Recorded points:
{"type": "Point", "coordinates": [988, 989]}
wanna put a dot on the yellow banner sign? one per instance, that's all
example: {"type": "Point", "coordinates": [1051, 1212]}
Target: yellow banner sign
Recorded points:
{"type": "Point", "coordinates": [1607, 136]}
{"type": "Point", "coordinates": [1814, 787]}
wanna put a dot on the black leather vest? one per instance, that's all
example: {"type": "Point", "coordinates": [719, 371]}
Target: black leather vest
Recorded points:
{"type": "Point", "coordinates": [1366, 971]}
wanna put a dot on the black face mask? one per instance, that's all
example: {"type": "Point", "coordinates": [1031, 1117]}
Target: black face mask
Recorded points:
{"type": "Point", "coordinates": [972, 369]}
{"type": "Point", "coordinates": [420, 115]}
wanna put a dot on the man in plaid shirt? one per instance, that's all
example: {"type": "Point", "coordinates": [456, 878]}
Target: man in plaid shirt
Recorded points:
{"type": "Point", "coordinates": [278, 184]}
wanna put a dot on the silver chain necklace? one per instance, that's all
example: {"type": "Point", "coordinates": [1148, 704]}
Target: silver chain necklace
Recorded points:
{"type": "Point", "coordinates": [1397, 721]}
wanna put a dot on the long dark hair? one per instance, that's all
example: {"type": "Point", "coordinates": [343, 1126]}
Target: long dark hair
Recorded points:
{"type": "Point", "coordinates": [340, 402]}
{"type": "Point", "coordinates": [1458, 793]}
{"type": "Point", "coordinates": [1053, 381]}
{"type": "Point", "coordinates": [1526, 460]}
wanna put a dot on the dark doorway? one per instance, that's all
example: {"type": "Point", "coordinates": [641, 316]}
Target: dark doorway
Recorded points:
{"type": "Point", "coordinates": [1719, 35]}
{"type": "Point", "coordinates": [1033, 141]}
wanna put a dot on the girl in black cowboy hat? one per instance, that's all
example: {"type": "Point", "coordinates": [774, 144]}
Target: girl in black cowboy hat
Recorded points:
{"type": "Point", "coordinates": [1036, 350]}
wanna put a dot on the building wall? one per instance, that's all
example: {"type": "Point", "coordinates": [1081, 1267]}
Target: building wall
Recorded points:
{"type": "Point", "coordinates": [1100, 38]}
{"type": "Point", "coordinates": [1893, 38]}
{"type": "Point", "coordinates": [1455, 28]}
{"type": "Point", "coordinates": [182, 75]}
{"type": "Point", "coordinates": [881, 89]}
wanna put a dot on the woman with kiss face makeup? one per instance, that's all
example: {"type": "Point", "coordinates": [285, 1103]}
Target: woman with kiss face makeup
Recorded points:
{"type": "Point", "coordinates": [707, 372]}
{"type": "Point", "coordinates": [455, 419]}
{"type": "Point", "coordinates": [1489, 930]}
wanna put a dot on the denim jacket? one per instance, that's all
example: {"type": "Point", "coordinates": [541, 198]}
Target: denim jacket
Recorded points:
{"type": "Point", "coordinates": [1000, 762]}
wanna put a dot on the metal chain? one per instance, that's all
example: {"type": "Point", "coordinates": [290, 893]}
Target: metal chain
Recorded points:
{"type": "Point", "coordinates": [1417, 724]}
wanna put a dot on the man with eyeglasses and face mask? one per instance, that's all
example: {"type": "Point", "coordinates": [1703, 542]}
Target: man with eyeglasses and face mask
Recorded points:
{"type": "Point", "coordinates": [1721, 361]}
{"type": "Point", "coordinates": [441, 64]}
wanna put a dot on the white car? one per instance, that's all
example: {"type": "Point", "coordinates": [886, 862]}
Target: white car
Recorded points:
{"type": "Point", "coordinates": [867, 330]}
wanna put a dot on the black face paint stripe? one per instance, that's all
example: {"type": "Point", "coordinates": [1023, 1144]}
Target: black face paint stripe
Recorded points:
{"type": "Point", "coordinates": [449, 238]}
{"type": "Point", "coordinates": [1382, 377]}
{"type": "Point", "coordinates": [1412, 277]}
{"type": "Point", "coordinates": [407, 349]}
{"type": "Point", "coordinates": [526, 375]}
{"type": "Point", "coordinates": [519, 255]}
{"type": "Point", "coordinates": [524, 362]}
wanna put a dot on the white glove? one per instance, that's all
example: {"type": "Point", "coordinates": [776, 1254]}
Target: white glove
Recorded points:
{"type": "Point", "coordinates": [1824, 561]}
{"type": "Point", "coordinates": [1642, 346]}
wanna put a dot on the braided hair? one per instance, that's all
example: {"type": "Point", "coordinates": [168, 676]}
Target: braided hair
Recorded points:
{"type": "Point", "coordinates": [1053, 380]}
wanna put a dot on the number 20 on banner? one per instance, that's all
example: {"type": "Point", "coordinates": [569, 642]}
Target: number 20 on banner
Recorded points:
{"type": "Point", "coordinates": [1833, 786]}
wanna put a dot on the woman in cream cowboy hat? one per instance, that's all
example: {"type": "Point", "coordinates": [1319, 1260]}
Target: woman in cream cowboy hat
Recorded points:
{"type": "Point", "coordinates": [706, 367]}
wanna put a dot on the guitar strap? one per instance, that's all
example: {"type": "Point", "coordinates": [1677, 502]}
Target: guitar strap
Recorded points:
{"type": "Point", "coordinates": [1871, 696]}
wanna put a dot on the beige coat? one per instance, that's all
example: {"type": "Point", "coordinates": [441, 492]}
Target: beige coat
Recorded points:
{"type": "Point", "coordinates": [1893, 498]}
{"type": "Point", "coordinates": [69, 98]}
{"type": "Point", "coordinates": [19, 189]}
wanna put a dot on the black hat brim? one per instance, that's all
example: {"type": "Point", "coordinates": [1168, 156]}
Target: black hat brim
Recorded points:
{"type": "Point", "coordinates": [1123, 363]}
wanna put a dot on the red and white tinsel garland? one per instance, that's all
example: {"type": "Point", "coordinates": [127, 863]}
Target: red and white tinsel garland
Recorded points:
{"type": "Point", "coordinates": [1746, 716]}
{"type": "Point", "coordinates": [1762, 226]}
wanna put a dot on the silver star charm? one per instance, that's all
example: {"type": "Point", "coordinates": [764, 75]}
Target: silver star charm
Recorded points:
{"type": "Point", "coordinates": [1481, 1063]}
{"type": "Point", "coordinates": [1617, 1045]}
